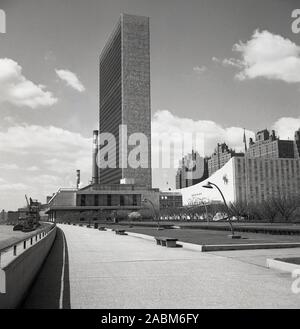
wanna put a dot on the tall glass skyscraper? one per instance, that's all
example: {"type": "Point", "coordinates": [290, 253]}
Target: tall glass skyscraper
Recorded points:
{"type": "Point", "coordinates": [125, 96]}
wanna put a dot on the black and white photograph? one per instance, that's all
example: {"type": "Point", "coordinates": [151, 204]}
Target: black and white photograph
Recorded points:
{"type": "Point", "coordinates": [149, 157]}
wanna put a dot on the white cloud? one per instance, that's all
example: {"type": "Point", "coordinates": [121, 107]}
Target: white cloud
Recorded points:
{"type": "Point", "coordinates": [215, 59]}
{"type": "Point", "coordinates": [15, 187]}
{"type": "Point", "coordinates": [269, 56]}
{"type": "Point", "coordinates": [50, 56]}
{"type": "Point", "coordinates": [46, 141]}
{"type": "Point", "coordinates": [32, 168]}
{"type": "Point", "coordinates": [228, 62]}
{"type": "Point", "coordinates": [9, 120]}
{"type": "Point", "coordinates": [71, 79]}
{"type": "Point", "coordinates": [199, 69]}
{"type": "Point", "coordinates": [14, 166]}
{"type": "Point", "coordinates": [51, 148]}
{"type": "Point", "coordinates": [19, 91]}
{"type": "Point", "coordinates": [46, 157]}
{"type": "Point", "coordinates": [167, 124]}
{"type": "Point", "coordinates": [9, 166]}
{"type": "Point", "coordinates": [286, 127]}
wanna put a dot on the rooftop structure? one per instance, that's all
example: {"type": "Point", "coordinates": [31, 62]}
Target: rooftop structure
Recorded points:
{"type": "Point", "coordinates": [270, 146]}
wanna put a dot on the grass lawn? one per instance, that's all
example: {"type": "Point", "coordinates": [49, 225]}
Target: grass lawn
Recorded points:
{"type": "Point", "coordinates": [295, 260]}
{"type": "Point", "coordinates": [208, 237]}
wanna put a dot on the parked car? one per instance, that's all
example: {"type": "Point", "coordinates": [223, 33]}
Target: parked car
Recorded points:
{"type": "Point", "coordinates": [220, 216]}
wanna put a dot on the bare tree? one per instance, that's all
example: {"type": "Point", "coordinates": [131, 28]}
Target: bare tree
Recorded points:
{"type": "Point", "coordinates": [255, 211]}
{"type": "Point", "coordinates": [196, 212]}
{"type": "Point", "coordinates": [238, 209]}
{"type": "Point", "coordinates": [269, 209]}
{"type": "Point", "coordinates": [286, 206]}
{"type": "Point", "coordinates": [212, 210]}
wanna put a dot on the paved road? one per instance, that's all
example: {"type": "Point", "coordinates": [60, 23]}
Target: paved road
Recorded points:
{"type": "Point", "coordinates": [91, 269]}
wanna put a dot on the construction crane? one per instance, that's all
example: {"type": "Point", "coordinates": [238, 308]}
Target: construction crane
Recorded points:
{"type": "Point", "coordinates": [29, 217]}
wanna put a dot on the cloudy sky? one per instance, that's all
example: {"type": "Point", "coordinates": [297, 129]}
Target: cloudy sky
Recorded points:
{"type": "Point", "coordinates": [217, 67]}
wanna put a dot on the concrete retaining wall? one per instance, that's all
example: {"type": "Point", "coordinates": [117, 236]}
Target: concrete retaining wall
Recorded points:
{"type": "Point", "coordinates": [17, 277]}
{"type": "Point", "coordinates": [282, 266]}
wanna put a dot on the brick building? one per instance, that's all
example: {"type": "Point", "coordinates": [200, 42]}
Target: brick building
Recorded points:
{"type": "Point", "coordinates": [268, 145]}
{"type": "Point", "coordinates": [220, 157]}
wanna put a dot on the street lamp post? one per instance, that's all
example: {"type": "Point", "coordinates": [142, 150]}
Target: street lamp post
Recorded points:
{"type": "Point", "coordinates": [210, 186]}
{"type": "Point", "coordinates": [154, 212]}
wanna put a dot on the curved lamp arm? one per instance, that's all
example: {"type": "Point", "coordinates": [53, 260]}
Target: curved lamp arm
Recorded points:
{"type": "Point", "coordinates": [220, 193]}
{"type": "Point", "coordinates": [228, 210]}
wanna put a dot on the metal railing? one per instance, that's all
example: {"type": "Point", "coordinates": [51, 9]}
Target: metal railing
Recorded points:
{"type": "Point", "coordinates": [12, 251]}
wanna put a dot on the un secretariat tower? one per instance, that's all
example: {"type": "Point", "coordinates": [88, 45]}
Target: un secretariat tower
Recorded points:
{"type": "Point", "coordinates": [125, 95]}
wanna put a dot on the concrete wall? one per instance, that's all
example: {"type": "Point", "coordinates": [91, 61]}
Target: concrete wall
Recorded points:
{"type": "Point", "coordinates": [224, 178]}
{"type": "Point", "coordinates": [259, 179]}
{"type": "Point", "coordinates": [17, 277]}
{"type": "Point", "coordinates": [256, 180]}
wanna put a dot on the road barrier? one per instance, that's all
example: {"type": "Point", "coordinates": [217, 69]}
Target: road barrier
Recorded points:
{"type": "Point", "coordinates": [20, 263]}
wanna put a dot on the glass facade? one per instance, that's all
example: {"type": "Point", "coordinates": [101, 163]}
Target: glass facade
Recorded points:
{"type": "Point", "coordinates": [111, 103]}
{"type": "Point", "coordinates": [108, 200]}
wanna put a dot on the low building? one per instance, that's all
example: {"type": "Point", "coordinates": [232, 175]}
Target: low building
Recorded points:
{"type": "Point", "coordinates": [98, 202]}
{"type": "Point", "coordinates": [250, 180]}
{"type": "Point", "coordinates": [170, 199]}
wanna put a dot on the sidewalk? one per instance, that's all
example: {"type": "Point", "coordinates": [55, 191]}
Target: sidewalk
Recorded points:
{"type": "Point", "coordinates": [105, 270]}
